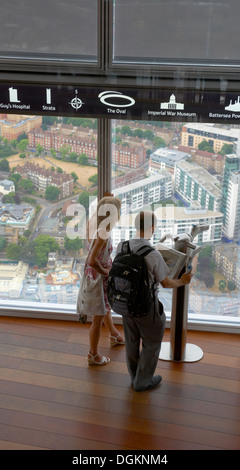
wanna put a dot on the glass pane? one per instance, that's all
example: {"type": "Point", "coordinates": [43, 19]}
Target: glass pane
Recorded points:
{"type": "Point", "coordinates": [161, 30]}
{"type": "Point", "coordinates": [48, 178]}
{"type": "Point", "coordinates": [188, 174]}
{"type": "Point", "coordinates": [59, 28]}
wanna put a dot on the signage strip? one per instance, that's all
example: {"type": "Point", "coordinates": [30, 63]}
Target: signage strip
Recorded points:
{"type": "Point", "coordinates": [124, 103]}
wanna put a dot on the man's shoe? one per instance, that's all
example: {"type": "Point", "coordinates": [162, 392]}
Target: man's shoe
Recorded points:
{"type": "Point", "coordinates": [154, 382]}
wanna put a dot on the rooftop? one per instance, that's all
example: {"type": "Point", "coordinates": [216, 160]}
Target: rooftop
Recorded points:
{"type": "Point", "coordinates": [201, 176]}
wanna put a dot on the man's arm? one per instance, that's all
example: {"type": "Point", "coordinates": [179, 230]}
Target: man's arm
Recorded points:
{"type": "Point", "coordinates": [167, 282]}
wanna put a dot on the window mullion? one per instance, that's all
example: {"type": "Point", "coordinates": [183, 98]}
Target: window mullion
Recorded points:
{"type": "Point", "coordinates": [104, 156]}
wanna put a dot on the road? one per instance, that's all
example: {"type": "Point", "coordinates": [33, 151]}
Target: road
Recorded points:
{"type": "Point", "coordinates": [49, 206]}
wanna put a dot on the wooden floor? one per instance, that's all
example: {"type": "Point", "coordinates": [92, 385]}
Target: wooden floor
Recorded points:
{"type": "Point", "coordinates": [51, 399]}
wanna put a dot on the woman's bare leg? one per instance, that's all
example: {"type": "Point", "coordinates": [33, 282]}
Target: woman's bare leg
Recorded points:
{"type": "Point", "coordinates": [94, 335]}
{"type": "Point", "coordinates": [108, 321]}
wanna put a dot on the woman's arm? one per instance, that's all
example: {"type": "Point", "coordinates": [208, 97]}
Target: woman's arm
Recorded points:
{"type": "Point", "coordinates": [94, 254]}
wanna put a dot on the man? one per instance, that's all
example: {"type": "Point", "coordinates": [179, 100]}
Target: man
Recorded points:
{"type": "Point", "coordinates": [147, 331]}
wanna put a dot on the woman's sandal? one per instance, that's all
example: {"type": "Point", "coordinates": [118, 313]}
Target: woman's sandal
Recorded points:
{"type": "Point", "coordinates": [114, 340]}
{"type": "Point", "coordinates": [92, 360]}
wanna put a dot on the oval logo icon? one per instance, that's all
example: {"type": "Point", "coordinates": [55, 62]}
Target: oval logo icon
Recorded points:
{"type": "Point", "coordinates": [107, 95]}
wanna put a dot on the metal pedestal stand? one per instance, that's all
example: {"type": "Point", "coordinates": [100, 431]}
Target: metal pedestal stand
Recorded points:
{"type": "Point", "coordinates": [177, 349]}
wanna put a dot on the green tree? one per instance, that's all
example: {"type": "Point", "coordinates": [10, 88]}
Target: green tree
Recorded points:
{"type": "Point", "coordinates": [84, 199]}
{"type": "Point", "coordinates": [39, 149]}
{"type": "Point", "coordinates": [15, 177]}
{"type": "Point", "coordinates": [206, 146]}
{"type": "Point", "coordinates": [22, 145]}
{"type": "Point", "coordinates": [93, 179]}
{"type": "Point", "coordinates": [13, 143]}
{"type": "Point", "coordinates": [159, 142]}
{"type": "Point", "coordinates": [74, 175]}
{"type": "Point", "coordinates": [226, 148]}
{"type": "Point", "coordinates": [13, 252]}
{"type": "Point", "coordinates": [209, 279]}
{"type": "Point", "coordinates": [3, 243]}
{"type": "Point", "coordinates": [73, 157]}
{"type": "Point", "coordinates": [43, 245]}
{"type": "Point", "coordinates": [4, 165]}
{"type": "Point", "coordinates": [36, 252]}
{"type": "Point", "coordinates": [222, 285]}
{"type": "Point", "coordinates": [53, 152]}
{"type": "Point", "coordinates": [73, 245]}
{"type": "Point", "coordinates": [9, 198]}
{"type": "Point", "coordinates": [83, 159]}
{"type": "Point", "coordinates": [126, 130]}
{"type": "Point", "coordinates": [138, 133]}
{"type": "Point", "coordinates": [148, 134]}
{"type": "Point", "coordinates": [27, 185]}
{"type": "Point", "coordinates": [64, 150]}
{"type": "Point", "coordinates": [206, 251]}
{"type": "Point", "coordinates": [52, 193]}
{"type": "Point", "coordinates": [231, 285]}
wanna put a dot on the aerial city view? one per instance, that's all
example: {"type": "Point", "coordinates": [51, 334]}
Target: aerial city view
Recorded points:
{"type": "Point", "coordinates": [189, 173]}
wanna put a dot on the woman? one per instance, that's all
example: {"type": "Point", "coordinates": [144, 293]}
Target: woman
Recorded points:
{"type": "Point", "coordinates": [99, 261]}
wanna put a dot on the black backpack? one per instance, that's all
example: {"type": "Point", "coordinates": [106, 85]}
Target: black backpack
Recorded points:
{"type": "Point", "coordinates": [128, 287]}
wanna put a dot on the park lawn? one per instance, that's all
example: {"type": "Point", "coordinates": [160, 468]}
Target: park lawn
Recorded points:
{"type": "Point", "coordinates": [83, 172]}
{"type": "Point", "coordinates": [218, 277]}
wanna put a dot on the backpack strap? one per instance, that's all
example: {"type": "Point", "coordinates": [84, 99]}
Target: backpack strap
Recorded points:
{"type": "Point", "coordinates": [125, 247]}
{"type": "Point", "coordinates": [144, 250]}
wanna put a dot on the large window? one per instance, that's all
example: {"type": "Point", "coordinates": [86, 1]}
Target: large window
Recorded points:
{"type": "Point", "coordinates": [61, 30]}
{"type": "Point", "coordinates": [175, 31]}
{"type": "Point", "coordinates": [155, 166]}
{"type": "Point", "coordinates": [48, 179]}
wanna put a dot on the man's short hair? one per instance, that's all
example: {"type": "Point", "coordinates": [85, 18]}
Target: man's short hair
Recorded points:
{"type": "Point", "coordinates": [145, 220]}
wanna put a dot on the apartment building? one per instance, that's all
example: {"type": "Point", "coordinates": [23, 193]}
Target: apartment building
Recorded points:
{"type": "Point", "coordinates": [132, 157]}
{"type": "Point", "coordinates": [79, 142]}
{"type": "Point", "coordinates": [193, 134]}
{"type": "Point", "coordinates": [7, 186]}
{"type": "Point", "coordinates": [14, 125]}
{"type": "Point", "coordinates": [142, 193]}
{"type": "Point", "coordinates": [231, 228]}
{"type": "Point", "coordinates": [174, 220]}
{"type": "Point", "coordinates": [60, 137]}
{"type": "Point", "coordinates": [193, 183]}
{"type": "Point", "coordinates": [43, 177]}
{"type": "Point", "coordinates": [164, 158]}
{"type": "Point", "coordinates": [227, 259]}
{"type": "Point", "coordinates": [12, 276]}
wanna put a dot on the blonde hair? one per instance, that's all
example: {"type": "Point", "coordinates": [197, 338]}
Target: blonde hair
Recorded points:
{"type": "Point", "coordinates": [108, 210]}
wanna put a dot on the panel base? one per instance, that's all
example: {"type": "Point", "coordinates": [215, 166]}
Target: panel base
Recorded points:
{"type": "Point", "coordinates": [192, 353]}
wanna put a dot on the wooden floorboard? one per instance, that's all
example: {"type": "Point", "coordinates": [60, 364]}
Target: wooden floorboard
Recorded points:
{"type": "Point", "coordinates": [50, 399]}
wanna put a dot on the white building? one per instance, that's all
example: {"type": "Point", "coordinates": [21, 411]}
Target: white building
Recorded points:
{"type": "Point", "coordinates": [12, 276]}
{"type": "Point", "coordinates": [7, 186]}
{"type": "Point", "coordinates": [142, 193]}
{"type": "Point", "coordinates": [231, 228]}
{"type": "Point", "coordinates": [174, 220]}
{"type": "Point", "coordinates": [164, 158]}
{"type": "Point", "coordinates": [194, 183]}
